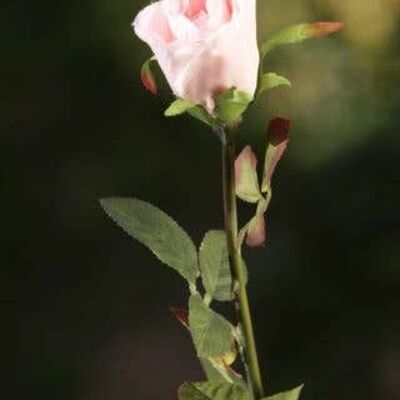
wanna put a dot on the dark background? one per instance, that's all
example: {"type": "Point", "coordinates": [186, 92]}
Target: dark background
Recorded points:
{"type": "Point", "coordinates": [86, 307]}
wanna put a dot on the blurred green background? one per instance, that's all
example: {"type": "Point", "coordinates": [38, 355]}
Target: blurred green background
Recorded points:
{"type": "Point", "coordinates": [86, 307]}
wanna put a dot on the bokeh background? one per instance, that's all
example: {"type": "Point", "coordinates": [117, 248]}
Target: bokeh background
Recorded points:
{"type": "Point", "coordinates": [85, 311]}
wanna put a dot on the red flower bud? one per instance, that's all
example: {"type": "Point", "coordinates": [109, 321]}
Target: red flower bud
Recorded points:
{"type": "Point", "coordinates": [148, 79]}
{"type": "Point", "coordinates": [318, 29]}
{"type": "Point", "coordinates": [278, 131]}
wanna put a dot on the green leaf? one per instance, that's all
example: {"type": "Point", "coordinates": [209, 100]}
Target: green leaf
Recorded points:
{"type": "Point", "coordinates": [247, 187]}
{"type": "Point", "coordinates": [212, 391]}
{"type": "Point", "coordinates": [214, 266]}
{"type": "Point", "coordinates": [212, 333]}
{"type": "Point", "coordinates": [181, 106]}
{"type": "Point", "coordinates": [212, 373]}
{"type": "Point", "coordinates": [177, 107]}
{"type": "Point", "coordinates": [231, 104]}
{"type": "Point", "coordinates": [298, 33]}
{"type": "Point", "coordinates": [202, 115]}
{"type": "Point", "coordinates": [293, 394]}
{"type": "Point", "coordinates": [218, 372]}
{"type": "Point", "coordinates": [216, 369]}
{"type": "Point", "coordinates": [271, 80]}
{"type": "Point", "coordinates": [156, 230]}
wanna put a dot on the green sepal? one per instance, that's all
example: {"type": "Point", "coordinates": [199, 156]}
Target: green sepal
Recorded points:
{"type": "Point", "coordinates": [156, 230]}
{"type": "Point", "coordinates": [231, 104]}
{"type": "Point", "coordinates": [214, 266]}
{"type": "Point", "coordinates": [211, 332]}
{"type": "Point", "coordinates": [181, 106]}
{"type": "Point", "coordinates": [271, 80]}
{"type": "Point", "coordinates": [278, 139]}
{"type": "Point", "coordinates": [212, 391]}
{"type": "Point", "coordinates": [177, 107]}
{"type": "Point", "coordinates": [247, 187]}
{"type": "Point", "coordinates": [147, 76]}
{"type": "Point", "coordinates": [202, 115]}
{"type": "Point", "coordinates": [290, 35]}
{"type": "Point", "coordinates": [292, 394]}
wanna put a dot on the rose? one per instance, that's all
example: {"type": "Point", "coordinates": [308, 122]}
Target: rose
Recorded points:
{"type": "Point", "coordinates": [203, 46]}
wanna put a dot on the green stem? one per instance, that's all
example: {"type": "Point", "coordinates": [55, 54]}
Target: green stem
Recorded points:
{"type": "Point", "coordinates": [254, 379]}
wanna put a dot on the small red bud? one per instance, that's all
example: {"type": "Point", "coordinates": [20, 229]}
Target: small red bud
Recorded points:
{"type": "Point", "coordinates": [278, 130]}
{"type": "Point", "coordinates": [318, 29]}
{"type": "Point", "coordinates": [148, 79]}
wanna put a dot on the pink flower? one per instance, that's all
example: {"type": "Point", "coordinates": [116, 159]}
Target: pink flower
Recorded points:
{"type": "Point", "coordinates": [203, 46]}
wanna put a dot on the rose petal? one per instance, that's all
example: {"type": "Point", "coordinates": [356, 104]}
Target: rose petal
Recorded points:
{"type": "Point", "coordinates": [201, 52]}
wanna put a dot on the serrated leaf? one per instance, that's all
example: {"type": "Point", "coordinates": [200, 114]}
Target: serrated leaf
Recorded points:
{"type": "Point", "coordinates": [147, 76]}
{"type": "Point", "coordinates": [271, 80]}
{"type": "Point", "coordinates": [212, 391]}
{"type": "Point", "coordinates": [292, 394]}
{"type": "Point", "coordinates": [278, 139]}
{"type": "Point", "coordinates": [231, 104]}
{"type": "Point", "coordinates": [247, 187]}
{"type": "Point", "coordinates": [216, 369]}
{"type": "Point", "coordinates": [214, 266]}
{"type": "Point", "coordinates": [211, 333]}
{"type": "Point", "coordinates": [298, 33]}
{"type": "Point", "coordinates": [156, 230]}
{"type": "Point", "coordinates": [177, 107]}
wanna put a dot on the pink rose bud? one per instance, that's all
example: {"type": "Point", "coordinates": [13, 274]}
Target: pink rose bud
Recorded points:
{"type": "Point", "coordinates": [203, 46]}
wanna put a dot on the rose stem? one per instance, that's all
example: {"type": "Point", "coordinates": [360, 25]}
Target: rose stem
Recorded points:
{"type": "Point", "coordinates": [241, 299]}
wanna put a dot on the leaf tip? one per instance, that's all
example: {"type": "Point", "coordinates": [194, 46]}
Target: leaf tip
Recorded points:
{"type": "Point", "coordinates": [181, 314]}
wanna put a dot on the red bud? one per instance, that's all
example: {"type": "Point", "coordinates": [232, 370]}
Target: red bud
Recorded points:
{"type": "Point", "coordinates": [148, 79]}
{"type": "Point", "coordinates": [278, 130]}
{"type": "Point", "coordinates": [318, 29]}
